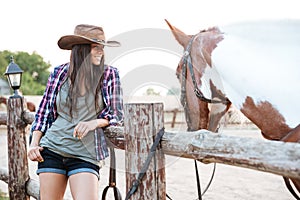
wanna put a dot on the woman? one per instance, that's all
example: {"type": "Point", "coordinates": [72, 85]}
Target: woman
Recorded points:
{"type": "Point", "coordinates": [81, 97]}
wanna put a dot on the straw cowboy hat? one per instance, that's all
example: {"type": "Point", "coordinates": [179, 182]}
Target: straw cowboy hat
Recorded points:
{"type": "Point", "coordinates": [85, 34]}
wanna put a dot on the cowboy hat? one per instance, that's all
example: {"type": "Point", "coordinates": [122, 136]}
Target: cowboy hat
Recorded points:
{"type": "Point", "coordinates": [85, 34]}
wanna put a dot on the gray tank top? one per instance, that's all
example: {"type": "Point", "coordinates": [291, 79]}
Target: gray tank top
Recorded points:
{"type": "Point", "coordinates": [59, 137]}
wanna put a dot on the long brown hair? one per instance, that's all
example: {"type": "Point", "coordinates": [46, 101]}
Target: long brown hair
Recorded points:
{"type": "Point", "coordinates": [84, 77]}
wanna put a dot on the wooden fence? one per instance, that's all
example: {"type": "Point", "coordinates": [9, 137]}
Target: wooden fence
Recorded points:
{"type": "Point", "coordinates": [142, 122]}
{"type": "Point", "coordinates": [174, 117]}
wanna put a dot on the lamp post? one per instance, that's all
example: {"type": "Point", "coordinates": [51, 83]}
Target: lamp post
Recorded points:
{"type": "Point", "coordinates": [14, 76]}
{"type": "Point", "coordinates": [16, 138]}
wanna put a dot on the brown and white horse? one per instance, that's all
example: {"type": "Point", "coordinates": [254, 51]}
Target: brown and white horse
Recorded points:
{"type": "Point", "coordinates": [255, 66]}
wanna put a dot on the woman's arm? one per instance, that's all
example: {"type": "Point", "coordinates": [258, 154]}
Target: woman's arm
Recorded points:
{"type": "Point", "coordinates": [82, 128]}
{"type": "Point", "coordinates": [112, 96]}
{"type": "Point", "coordinates": [34, 148]}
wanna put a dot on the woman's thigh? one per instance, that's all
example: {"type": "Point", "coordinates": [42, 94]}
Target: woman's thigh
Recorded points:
{"type": "Point", "coordinates": [52, 186]}
{"type": "Point", "coordinates": [84, 186]}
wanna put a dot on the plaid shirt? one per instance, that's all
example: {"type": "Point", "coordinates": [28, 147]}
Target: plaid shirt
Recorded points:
{"type": "Point", "coordinates": [112, 98]}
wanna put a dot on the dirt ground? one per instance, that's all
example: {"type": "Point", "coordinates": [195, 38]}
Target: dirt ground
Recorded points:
{"type": "Point", "coordinates": [229, 182]}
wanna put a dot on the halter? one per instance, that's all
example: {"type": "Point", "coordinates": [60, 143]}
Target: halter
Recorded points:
{"type": "Point", "coordinates": [187, 60]}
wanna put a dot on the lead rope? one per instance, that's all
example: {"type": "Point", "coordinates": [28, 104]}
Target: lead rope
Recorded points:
{"type": "Point", "coordinates": [112, 177]}
{"type": "Point", "coordinates": [290, 188]}
{"type": "Point", "coordinates": [134, 187]}
{"type": "Point", "coordinates": [142, 173]}
{"type": "Point", "coordinates": [198, 181]}
{"type": "Point", "coordinates": [187, 63]}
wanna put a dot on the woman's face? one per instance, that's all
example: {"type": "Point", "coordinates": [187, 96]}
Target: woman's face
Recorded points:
{"type": "Point", "coordinates": [96, 53]}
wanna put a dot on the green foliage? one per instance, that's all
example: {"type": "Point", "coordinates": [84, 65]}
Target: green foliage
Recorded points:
{"type": "Point", "coordinates": [173, 91]}
{"type": "Point", "coordinates": [3, 64]}
{"type": "Point", "coordinates": [36, 71]}
{"type": "Point", "coordinates": [3, 196]}
{"type": "Point", "coordinates": [151, 91]}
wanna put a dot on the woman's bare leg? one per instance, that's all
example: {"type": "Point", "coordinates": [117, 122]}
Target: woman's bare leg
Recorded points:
{"type": "Point", "coordinates": [52, 186]}
{"type": "Point", "coordinates": [84, 186]}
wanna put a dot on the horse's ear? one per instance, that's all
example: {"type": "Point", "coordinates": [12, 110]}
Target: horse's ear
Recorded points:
{"type": "Point", "coordinates": [180, 36]}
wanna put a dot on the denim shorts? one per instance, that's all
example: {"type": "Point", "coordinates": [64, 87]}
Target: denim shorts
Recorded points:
{"type": "Point", "coordinates": [56, 163]}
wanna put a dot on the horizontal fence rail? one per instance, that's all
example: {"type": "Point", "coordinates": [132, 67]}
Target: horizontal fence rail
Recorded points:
{"type": "Point", "coordinates": [275, 157]}
{"type": "Point", "coordinates": [269, 156]}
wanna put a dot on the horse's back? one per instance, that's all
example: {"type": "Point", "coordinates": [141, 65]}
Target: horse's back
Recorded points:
{"type": "Point", "coordinates": [261, 59]}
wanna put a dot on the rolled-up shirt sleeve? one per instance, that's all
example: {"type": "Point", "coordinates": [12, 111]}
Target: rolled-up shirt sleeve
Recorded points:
{"type": "Point", "coordinates": [112, 97]}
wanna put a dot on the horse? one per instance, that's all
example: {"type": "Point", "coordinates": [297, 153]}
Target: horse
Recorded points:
{"type": "Point", "coordinates": [30, 105]}
{"type": "Point", "coordinates": [252, 65]}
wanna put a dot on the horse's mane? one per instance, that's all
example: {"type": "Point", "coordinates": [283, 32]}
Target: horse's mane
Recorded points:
{"type": "Point", "coordinates": [211, 29]}
{"type": "Point", "coordinates": [210, 38]}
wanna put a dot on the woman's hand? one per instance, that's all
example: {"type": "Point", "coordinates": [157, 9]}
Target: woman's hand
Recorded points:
{"type": "Point", "coordinates": [34, 153]}
{"type": "Point", "coordinates": [82, 128]}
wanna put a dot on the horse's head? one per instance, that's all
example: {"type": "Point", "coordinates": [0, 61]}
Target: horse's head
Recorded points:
{"type": "Point", "coordinates": [205, 110]}
{"type": "Point", "coordinates": [195, 72]}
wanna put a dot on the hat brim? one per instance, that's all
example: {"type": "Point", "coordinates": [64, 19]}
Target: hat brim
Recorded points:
{"type": "Point", "coordinates": [68, 41]}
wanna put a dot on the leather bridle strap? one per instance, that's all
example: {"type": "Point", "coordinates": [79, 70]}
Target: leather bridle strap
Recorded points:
{"type": "Point", "coordinates": [188, 61]}
{"type": "Point", "coordinates": [143, 171]}
{"type": "Point", "coordinates": [198, 181]}
{"type": "Point", "coordinates": [112, 177]}
{"type": "Point", "coordinates": [290, 188]}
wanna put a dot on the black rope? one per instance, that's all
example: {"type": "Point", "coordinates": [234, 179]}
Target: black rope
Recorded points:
{"type": "Point", "coordinates": [290, 188]}
{"type": "Point", "coordinates": [198, 181]}
{"type": "Point", "coordinates": [168, 197]}
{"type": "Point", "coordinates": [112, 177]}
{"type": "Point", "coordinates": [142, 173]}
{"type": "Point", "coordinates": [186, 60]}
{"type": "Point", "coordinates": [200, 195]}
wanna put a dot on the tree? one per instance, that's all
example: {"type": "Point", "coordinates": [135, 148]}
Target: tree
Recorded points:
{"type": "Point", "coordinates": [173, 91]}
{"type": "Point", "coordinates": [150, 91]}
{"type": "Point", "coordinates": [36, 71]}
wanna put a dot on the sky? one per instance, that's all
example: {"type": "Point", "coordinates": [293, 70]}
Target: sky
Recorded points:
{"type": "Point", "coordinates": [34, 25]}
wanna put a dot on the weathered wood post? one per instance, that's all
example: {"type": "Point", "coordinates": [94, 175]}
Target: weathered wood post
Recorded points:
{"type": "Point", "coordinates": [174, 117]}
{"type": "Point", "coordinates": [17, 151]}
{"type": "Point", "coordinates": [142, 123]}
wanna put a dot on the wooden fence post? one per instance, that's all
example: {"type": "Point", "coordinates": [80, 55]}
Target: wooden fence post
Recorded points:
{"type": "Point", "coordinates": [174, 117]}
{"type": "Point", "coordinates": [17, 151]}
{"type": "Point", "coordinates": [142, 123]}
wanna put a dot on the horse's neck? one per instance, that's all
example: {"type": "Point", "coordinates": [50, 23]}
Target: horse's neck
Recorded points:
{"type": "Point", "coordinates": [262, 62]}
